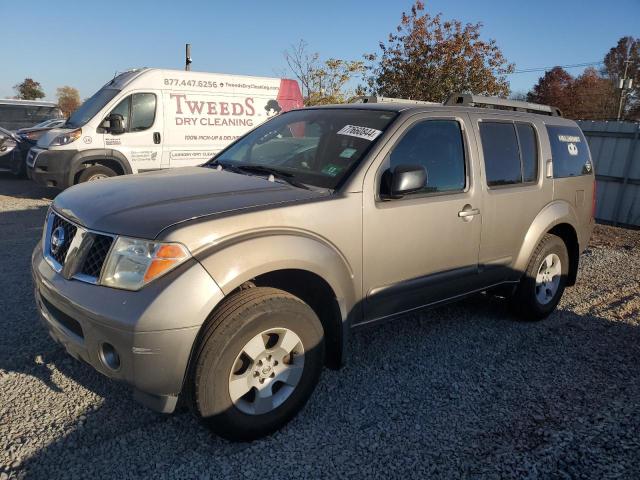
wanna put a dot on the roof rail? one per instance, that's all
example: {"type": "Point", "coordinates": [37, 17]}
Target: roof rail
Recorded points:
{"type": "Point", "coordinates": [468, 100]}
{"type": "Point", "coordinates": [376, 99]}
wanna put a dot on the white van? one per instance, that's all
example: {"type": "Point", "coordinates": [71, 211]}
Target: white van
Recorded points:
{"type": "Point", "coordinates": [147, 119]}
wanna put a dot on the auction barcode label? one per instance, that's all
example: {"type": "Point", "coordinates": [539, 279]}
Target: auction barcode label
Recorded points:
{"type": "Point", "coordinates": [360, 132]}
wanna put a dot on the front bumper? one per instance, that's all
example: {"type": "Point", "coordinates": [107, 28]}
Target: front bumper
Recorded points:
{"type": "Point", "coordinates": [50, 168]}
{"type": "Point", "coordinates": [89, 320]}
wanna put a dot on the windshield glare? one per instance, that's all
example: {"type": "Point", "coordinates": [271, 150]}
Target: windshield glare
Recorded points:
{"type": "Point", "coordinates": [315, 147]}
{"type": "Point", "coordinates": [90, 107]}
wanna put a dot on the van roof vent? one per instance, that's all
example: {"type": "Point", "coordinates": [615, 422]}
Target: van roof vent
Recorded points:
{"type": "Point", "coordinates": [469, 100]}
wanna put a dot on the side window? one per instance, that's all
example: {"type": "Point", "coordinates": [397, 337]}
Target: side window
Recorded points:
{"type": "Point", "coordinates": [529, 151]}
{"type": "Point", "coordinates": [143, 111]}
{"type": "Point", "coordinates": [123, 109]}
{"type": "Point", "coordinates": [570, 152]}
{"type": "Point", "coordinates": [501, 155]}
{"type": "Point", "coordinates": [510, 152]}
{"type": "Point", "coordinates": [138, 111]}
{"type": "Point", "coordinates": [437, 145]}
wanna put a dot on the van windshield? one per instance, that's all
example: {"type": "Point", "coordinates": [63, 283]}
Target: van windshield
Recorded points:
{"type": "Point", "coordinates": [312, 147]}
{"type": "Point", "coordinates": [90, 107]}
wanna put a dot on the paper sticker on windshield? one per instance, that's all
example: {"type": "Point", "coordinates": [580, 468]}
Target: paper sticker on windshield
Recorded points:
{"type": "Point", "coordinates": [347, 152]}
{"type": "Point", "coordinates": [332, 170]}
{"type": "Point", "coordinates": [360, 132]}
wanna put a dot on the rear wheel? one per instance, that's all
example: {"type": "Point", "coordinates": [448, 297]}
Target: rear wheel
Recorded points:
{"type": "Point", "coordinates": [95, 172]}
{"type": "Point", "coordinates": [258, 362]}
{"type": "Point", "coordinates": [543, 283]}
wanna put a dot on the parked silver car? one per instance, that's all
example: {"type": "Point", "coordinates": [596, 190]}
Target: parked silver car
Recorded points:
{"type": "Point", "coordinates": [229, 286]}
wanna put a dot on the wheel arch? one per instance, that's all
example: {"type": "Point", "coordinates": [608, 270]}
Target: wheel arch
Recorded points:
{"type": "Point", "coordinates": [100, 156]}
{"type": "Point", "coordinates": [301, 265]}
{"type": "Point", "coordinates": [558, 218]}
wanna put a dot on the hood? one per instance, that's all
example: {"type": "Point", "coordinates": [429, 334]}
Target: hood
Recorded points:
{"type": "Point", "coordinates": [45, 139]}
{"type": "Point", "coordinates": [145, 204]}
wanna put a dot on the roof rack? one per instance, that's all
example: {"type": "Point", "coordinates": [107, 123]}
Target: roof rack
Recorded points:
{"type": "Point", "coordinates": [376, 99]}
{"type": "Point", "coordinates": [468, 100]}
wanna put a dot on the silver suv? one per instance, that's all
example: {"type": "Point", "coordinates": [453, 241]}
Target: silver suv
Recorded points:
{"type": "Point", "coordinates": [230, 285]}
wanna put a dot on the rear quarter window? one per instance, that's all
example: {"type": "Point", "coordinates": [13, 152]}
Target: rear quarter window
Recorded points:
{"type": "Point", "coordinates": [570, 152]}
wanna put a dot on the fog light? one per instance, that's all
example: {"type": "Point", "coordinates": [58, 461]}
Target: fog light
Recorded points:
{"type": "Point", "coordinates": [110, 356]}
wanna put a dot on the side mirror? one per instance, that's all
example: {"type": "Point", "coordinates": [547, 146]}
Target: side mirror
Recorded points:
{"type": "Point", "coordinates": [407, 179]}
{"type": "Point", "coordinates": [116, 124]}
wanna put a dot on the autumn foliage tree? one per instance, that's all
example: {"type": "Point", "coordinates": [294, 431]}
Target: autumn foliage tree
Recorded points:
{"type": "Point", "coordinates": [29, 89]}
{"type": "Point", "coordinates": [429, 58]}
{"type": "Point", "coordinates": [627, 48]}
{"type": "Point", "coordinates": [590, 96]}
{"type": "Point", "coordinates": [322, 82]}
{"type": "Point", "coordinates": [553, 88]}
{"type": "Point", "coordinates": [68, 99]}
{"type": "Point", "coordinates": [593, 97]}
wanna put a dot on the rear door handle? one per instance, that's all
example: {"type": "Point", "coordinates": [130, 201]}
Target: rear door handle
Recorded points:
{"type": "Point", "coordinates": [469, 213]}
{"type": "Point", "coordinates": [156, 137]}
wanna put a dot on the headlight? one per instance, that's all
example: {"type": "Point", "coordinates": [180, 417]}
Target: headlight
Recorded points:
{"type": "Point", "coordinates": [132, 263]}
{"type": "Point", "coordinates": [66, 138]}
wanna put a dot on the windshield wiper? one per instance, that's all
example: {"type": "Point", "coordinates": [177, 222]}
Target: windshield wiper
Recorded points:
{"type": "Point", "coordinates": [277, 173]}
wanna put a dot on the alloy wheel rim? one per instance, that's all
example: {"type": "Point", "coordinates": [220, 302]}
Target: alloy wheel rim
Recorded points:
{"type": "Point", "coordinates": [266, 371]}
{"type": "Point", "coordinates": [548, 278]}
{"type": "Point", "coordinates": [97, 176]}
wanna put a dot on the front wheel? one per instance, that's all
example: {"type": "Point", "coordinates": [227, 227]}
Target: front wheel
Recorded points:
{"type": "Point", "coordinates": [258, 362]}
{"type": "Point", "coordinates": [543, 283]}
{"type": "Point", "coordinates": [95, 172]}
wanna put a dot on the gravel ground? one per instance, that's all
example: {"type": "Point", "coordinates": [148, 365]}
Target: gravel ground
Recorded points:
{"type": "Point", "coordinates": [457, 392]}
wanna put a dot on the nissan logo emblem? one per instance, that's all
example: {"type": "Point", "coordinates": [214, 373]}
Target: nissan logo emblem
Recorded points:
{"type": "Point", "coordinates": [57, 239]}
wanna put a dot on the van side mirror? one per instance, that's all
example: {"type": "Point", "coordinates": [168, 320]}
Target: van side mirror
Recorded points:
{"type": "Point", "coordinates": [116, 124]}
{"type": "Point", "coordinates": [407, 179]}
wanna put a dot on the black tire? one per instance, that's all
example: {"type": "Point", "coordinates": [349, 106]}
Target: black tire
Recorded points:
{"type": "Point", "coordinates": [19, 166]}
{"type": "Point", "coordinates": [100, 171]}
{"type": "Point", "coordinates": [524, 302]}
{"type": "Point", "coordinates": [234, 323]}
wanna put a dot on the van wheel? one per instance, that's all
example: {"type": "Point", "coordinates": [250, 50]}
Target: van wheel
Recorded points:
{"type": "Point", "coordinates": [258, 362]}
{"type": "Point", "coordinates": [95, 172]}
{"type": "Point", "coordinates": [542, 285]}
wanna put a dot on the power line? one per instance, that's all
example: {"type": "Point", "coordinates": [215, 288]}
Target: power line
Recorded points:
{"type": "Point", "coordinates": [544, 69]}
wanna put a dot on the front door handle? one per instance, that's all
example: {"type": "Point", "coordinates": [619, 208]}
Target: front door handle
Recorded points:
{"type": "Point", "coordinates": [156, 137]}
{"type": "Point", "coordinates": [468, 212]}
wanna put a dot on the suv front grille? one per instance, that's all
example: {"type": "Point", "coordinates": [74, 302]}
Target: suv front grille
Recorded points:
{"type": "Point", "coordinates": [93, 262]}
{"type": "Point", "coordinates": [87, 256]}
{"type": "Point", "coordinates": [68, 231]}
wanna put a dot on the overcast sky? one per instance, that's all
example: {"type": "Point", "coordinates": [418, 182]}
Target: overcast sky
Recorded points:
{"type": "Point", "coordinates": [82, 43]}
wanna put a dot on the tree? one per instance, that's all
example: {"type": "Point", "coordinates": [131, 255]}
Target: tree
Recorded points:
{"type": "Point", "coordinates": [430, 58]}
{"type": "Point", "coordinates": [553, 88]}
{"type": "Point", "coordinates": [322, 82]}
{"type": "Point", "coordinates": [588, 97]}
{"type": "Point", "coordinates": [68, 99]}
{"type": "Point", "coordinates": [29, 89]}
{"type": "Point", "coordinates": [593, 97]}
{"type": "Point", "coordinates": [627, 49]}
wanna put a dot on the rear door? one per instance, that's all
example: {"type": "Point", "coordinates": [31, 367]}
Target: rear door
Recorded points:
{"type": "Point", "coordinates": [141, 143]}
{"type": "Point", "coordinates": [422, 248]}
{"type": "Point", "coordinates": [513, 187]}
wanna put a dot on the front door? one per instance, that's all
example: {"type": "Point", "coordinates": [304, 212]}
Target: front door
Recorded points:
{"type": "Point", "coordinates": [141, 143]}
{"type": "Point", "coordinates": [422, 248]}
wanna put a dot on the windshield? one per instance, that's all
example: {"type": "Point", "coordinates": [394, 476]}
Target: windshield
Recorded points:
{"type": "Point", "coordinates": [90, 107]}
{"type": "Point", "coordinates": [314, 147]}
